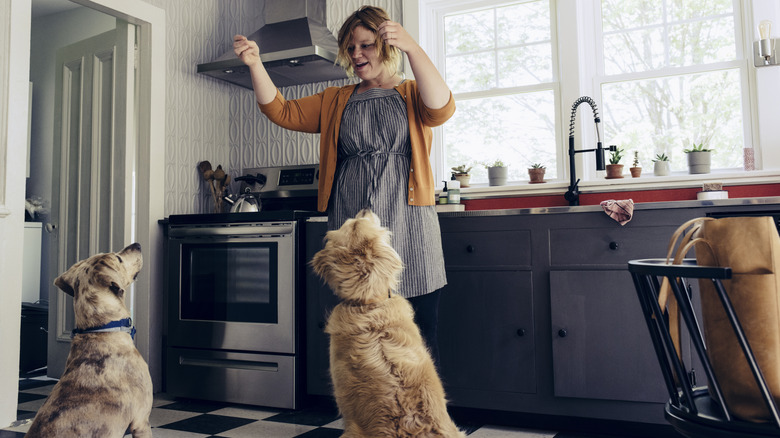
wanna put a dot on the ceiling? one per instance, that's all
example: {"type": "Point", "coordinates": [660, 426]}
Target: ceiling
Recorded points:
{"type": "Point", "coordinates": [41, 8]}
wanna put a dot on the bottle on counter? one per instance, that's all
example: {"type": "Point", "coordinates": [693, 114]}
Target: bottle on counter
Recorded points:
{"type": "Point", "coordinates": [453, 194]}
{"type": "Point", "coordinates": [443, 196]}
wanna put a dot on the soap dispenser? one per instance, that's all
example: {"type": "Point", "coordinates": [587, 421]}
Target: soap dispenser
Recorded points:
{"type": "Point", "coordinates": [443, 195]}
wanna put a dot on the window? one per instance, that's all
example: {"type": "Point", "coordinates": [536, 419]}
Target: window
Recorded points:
{"type": "Point", "coordinates": [671, 76]}
{"type": "Point", "coordinates": [503, 78]}
{"type": "Point", "coordinates": [666, 74]}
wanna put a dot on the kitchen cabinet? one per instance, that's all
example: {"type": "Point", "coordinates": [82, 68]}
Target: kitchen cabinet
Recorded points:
{"type": "Point", "coordinates": [486, 319]}
{"type": "Point", "coordinates": [319, 302]}
{"type": "Point", "coordinates": [601, 348]}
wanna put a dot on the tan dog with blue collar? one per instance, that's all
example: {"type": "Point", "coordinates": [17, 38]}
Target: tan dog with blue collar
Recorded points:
{"type": "Point", "coordinates": [106, 388]}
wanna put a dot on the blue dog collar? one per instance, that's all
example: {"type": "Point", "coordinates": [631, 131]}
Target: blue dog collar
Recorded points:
{"type": "Point", "coordinates": [123, 325]}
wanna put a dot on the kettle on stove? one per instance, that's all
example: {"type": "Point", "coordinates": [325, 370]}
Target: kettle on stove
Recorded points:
{"type": "Point", "coordinates": [246, 203]}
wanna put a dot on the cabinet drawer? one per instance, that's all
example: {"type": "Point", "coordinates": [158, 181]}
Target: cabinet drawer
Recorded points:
{"type": "Point", "coordinates": [487, 248]}
{"type": "Point", "coordinates": [607, 246]}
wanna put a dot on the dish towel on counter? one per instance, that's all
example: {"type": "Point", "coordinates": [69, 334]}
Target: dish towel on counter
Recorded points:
{"type": "Point", "coordinates": [621, 210]}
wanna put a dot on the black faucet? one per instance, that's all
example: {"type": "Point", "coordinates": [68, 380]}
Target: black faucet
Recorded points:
{"type": "Point", "coordinates": [573, 194]}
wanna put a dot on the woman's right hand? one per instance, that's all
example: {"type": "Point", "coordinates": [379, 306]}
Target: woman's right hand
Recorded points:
{"type": "Point", "coordinates": [246, 50]}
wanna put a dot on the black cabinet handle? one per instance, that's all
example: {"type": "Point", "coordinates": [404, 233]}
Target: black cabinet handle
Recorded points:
{"type": "Point", "coordinates": [613, 245]}
{"type": "Point", "coordinates": [520, 332]}
{"type": "Point", "coordinates": [469, 248]}
{"type": "Point", "coordinates": [562, 333]}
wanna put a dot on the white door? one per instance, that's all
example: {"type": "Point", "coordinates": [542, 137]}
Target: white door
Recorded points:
{"type": "Point", "coordinates": [94, 159]}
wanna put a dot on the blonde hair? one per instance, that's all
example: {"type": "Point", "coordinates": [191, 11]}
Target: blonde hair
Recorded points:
{"type": "Point", "coordinates": [369, 17]}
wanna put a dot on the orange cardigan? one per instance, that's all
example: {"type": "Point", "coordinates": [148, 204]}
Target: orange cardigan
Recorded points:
{"type": "Point", "coordinates": [321, 113]}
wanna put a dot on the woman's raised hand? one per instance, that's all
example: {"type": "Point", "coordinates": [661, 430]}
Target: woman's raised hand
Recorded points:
{"type": "Point", "coordinates": [395, 35]}
{"type": "Point", "coordinates": [246, 50]}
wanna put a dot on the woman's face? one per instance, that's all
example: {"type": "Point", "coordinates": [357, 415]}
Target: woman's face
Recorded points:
{"type": "Point", "coordinates": [364, 54]}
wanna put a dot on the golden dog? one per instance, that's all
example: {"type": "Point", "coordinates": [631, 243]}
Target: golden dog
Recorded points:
{"type": "Point", "coordinates": [106, 387]}
{"type": "Point", "coordinates": [384, 379]}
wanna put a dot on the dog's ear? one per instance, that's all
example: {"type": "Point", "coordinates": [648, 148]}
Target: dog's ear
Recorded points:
{"type": "Point", "coordinates": [64, 283]}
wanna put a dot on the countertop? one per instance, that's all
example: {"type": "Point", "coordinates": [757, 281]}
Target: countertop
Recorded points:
{"type": "Point", "coordinates": [774, 200]}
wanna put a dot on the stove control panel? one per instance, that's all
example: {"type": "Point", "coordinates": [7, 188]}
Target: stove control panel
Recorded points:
{"type": "Point", "coordinates": [283, 181]}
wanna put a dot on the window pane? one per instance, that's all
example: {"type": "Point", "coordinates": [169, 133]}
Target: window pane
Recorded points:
{"type": "Point", "coordinates": [635, 51]}
{"type": "Point", "coordinates": [639, 37]}
{"type": "Point", "coordinates": [519, 129]}
{"type": "Point", "coordinates": [620, 15]}
{"type": "Point", "coordinates": [688, 9]}
{"type": "Point", "coordinates": [535, 19]}
{"type": "Point", "coordinates": [469, 32]}
{"type": "Point", "coordinates": [666, 115]}
{"type": "Point", "coordinates": [473, 72]}
{"type": "Point", "coordinates": [524, 65]}
{"type": "Point", "coordinates": [702, 42]}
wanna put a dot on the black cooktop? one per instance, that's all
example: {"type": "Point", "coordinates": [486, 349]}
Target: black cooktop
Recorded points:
{"type": "Point", "coordinates": [259, 216]}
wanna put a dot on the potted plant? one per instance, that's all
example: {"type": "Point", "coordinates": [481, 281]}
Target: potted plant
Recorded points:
{"type": "Point", "coordinates": [699, 158]}
{"type": "Point", "coordinates": [661, 165]}
{"type": "Point", "coordinates": [635, 170]}
{"type": "Point", "coordinates": [614, 168]}
{"type": "Point", "coordinates": [536, 173]}
{"type": "Point", "coordinates": [461, 174]}
{"type": "Point", "coordinates": [497, 172]}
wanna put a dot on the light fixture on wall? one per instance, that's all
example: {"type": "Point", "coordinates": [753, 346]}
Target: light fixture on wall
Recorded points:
{"type": "Point", "coordinates": [764, 48]}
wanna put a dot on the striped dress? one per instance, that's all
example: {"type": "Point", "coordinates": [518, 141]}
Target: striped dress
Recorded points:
{"type": "Point", "coordinates": [374, 156]}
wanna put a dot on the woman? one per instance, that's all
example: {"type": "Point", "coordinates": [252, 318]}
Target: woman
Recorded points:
{"type": "Point", "coordinates": [375, 142]}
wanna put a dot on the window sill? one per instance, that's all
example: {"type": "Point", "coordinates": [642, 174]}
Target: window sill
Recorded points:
{"type": "Point", "coordinates": [627, 183]}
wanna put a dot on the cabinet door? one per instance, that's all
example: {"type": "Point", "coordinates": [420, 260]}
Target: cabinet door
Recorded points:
{"type": "Point", "coordinates": [319, 301]}
{"type": "Point", "coordinates": [486, 333]}
{"type": "Point", "coordinates": [601, 345]}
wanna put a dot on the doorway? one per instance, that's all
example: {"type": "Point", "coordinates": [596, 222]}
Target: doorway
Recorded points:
{"type": "Point", "coordinates": [76, 21]}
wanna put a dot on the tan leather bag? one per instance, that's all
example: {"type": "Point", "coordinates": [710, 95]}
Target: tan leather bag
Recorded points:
{"type": "Point", "coordinates": [750, 246]}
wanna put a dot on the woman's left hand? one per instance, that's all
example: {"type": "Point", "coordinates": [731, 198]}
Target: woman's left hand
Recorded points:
{"type": "Point", "coordinates": [395, 35]}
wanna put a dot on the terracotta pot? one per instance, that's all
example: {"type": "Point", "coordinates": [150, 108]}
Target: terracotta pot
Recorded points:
{"type": "Point", "coordinates": [635, 171]}
{"type": "Point", "coordinates": [614, 171]}
{"type": "Point", "coordinates": [536, 176]}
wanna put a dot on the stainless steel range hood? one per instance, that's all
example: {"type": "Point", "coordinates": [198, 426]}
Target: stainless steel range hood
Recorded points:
{"type": "Point", "coordinates": [295, 45]}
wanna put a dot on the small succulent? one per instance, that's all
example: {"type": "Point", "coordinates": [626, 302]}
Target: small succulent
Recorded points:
{"type": "Point", "coordinates": [538, 166]}
{"type": "Point", "coordinates": [462, 169]}
{"type": "Point", "coordinates": [495, 163]}
{"type": "Point", "coordinates": [636, 159]}
{"type": "Point", "coordinates": [660, 157]}
{"type": "Point", "coordinates": [615, 156]}
{"type": "Point", "coordinates": [697, 148]}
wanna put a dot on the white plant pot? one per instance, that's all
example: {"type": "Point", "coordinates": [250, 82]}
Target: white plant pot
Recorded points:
{"type": "Point", "coordinates": [661, 168]}
{"type": "Point", "coordinates": [497, 176]}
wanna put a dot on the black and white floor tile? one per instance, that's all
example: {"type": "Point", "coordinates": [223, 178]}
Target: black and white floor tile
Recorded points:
{"type": "Point", "coordinates": [179, 418]}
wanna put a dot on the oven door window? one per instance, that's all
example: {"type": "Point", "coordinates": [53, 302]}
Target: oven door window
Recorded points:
{"type": "Point", "coordinates": [230, 282]}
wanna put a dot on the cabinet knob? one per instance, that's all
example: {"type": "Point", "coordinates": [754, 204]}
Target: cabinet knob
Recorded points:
{"type": "Point", "coordinates": [613, 245]}
{"type": "Point", "coordinates": [520, 332]}
{"type": "Point", "coordinates": [562, 333]}
{"type": "Point", "coordinates": [470, 248]}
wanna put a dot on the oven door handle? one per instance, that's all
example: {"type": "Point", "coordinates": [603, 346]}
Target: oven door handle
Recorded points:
{"type": "Point", "coordinates": [260, 229]}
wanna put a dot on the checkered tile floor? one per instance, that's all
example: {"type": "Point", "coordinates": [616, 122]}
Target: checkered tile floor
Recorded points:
{"type": "Point", "coordinates": [181, 418]}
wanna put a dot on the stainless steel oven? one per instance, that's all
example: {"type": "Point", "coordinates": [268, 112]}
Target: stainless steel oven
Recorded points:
{"type": "Point", "coordinates": [231, 291]}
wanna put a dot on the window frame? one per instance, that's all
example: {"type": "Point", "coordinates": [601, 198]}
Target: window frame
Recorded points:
{"type": "Point", "coordinates": [576, 22]}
